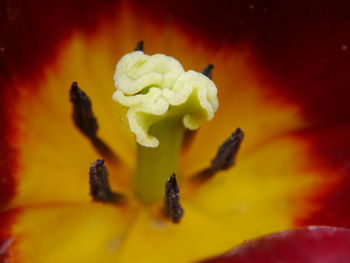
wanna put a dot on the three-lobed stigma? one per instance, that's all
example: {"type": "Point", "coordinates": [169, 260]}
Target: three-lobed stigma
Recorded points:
{"type": "Point", "coordinates": [156, 88]}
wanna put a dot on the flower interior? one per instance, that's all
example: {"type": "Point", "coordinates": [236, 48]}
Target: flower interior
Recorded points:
{"type": "Point", "coordinates": [94, 191]}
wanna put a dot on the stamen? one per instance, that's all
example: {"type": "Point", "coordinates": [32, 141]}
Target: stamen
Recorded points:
{"type": "Point", "coordinates": [139, 46]}
{"type": "Point", "coordinates": [208, 70]}
{"type": "Point", "coordinates": [86, 122]}
{"type": "Point", "coordinates": [172, 206]}
{"type": "Point", "coordinates": [225, 157]}
{"type": "Point", "coordinates": [99, 184]}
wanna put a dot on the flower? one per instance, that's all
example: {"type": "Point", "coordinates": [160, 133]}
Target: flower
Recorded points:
{"type": "Point", "coordinates": [287, 93]}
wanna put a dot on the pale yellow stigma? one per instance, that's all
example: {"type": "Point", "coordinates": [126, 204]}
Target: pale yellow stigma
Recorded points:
{"type": "Point", "coordinates": [156, 87]}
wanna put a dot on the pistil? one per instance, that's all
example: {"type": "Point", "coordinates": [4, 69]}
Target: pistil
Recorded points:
{"type": "Point", "coordinates": [190, 135]}
{"type": "Point", "coordinates": [156, 164]}
{"type": "Point", "coordinates": [163, 100]}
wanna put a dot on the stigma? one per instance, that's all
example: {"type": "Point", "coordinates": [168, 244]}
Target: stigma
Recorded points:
{"type": "Point", "coordinates": [156, 88]}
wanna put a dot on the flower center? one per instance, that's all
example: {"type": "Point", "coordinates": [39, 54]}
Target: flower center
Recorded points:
{"type": "Point", "coordinates": [163, 100]}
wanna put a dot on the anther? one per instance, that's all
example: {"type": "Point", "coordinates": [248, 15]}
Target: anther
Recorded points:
{"type": "Point", "coordinates": [86, 122]}
{"type": "Point", "coordinates": [172, 206]}
{"type": "Point", "coordinates": [99, 184]}
{"type": "Point", "coordinates": [208, 70]}
{"type": "Point", "coordinates": [139, 46]}
{"type": "Point", "coordinates": [225, 157]}
{"type": "Point", "coordinates": [83, 116]}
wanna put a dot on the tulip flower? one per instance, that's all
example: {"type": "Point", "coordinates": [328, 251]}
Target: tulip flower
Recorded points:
{"type": "Point", "coordinates": [86, 179]}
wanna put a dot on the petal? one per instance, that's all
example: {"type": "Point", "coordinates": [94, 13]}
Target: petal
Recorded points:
{"type": "Point", "coordinates": [330, 150]}
{"type": "Point", "coordinates": [304, 245]}
{"type": "Point", "coordinates": [7, 151]}
{"type": "Point", "coordinates": [265, 192]}
{"type": "Point", "coordinates": [91, 233]}
{"type": "Point", "coordinates": [6, 238]}
{"type": "Point", "coordinates": [151, 240]}
{"type": "Point", "coordinates": [297, 180]}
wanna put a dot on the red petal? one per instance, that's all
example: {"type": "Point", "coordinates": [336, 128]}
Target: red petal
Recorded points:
{"type": "Point", "coordinates": [6, 240]}
{"type": "Point", "coordinates": [7, 152]}
{"type": "Point", "coordinates": [331, 148]}
{"type": "Point", "coordinates": [304, 245]}
{"type": "Point", "coordinates": [32, 32]}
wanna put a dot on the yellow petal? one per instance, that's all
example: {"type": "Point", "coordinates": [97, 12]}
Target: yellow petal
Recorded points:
{"type": "Point", "coordinates": [54, 156]}
{"type": "Point", "coordinates": [265, 192]}
{"type": "Point", "coordinates": [197, 236]}
{"type": "Point", "coordinates": [55, 234]}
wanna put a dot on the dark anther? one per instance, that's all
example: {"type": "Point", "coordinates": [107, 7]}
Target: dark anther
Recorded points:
{"type": "Point", "coordinates": [172, 206]}
{"type": "Point", "coordinates": [208, 70]}
{"type": "Point", "coordinates": [225, 157]}
{"type": "Point", "coordinates": [86, 122]}
{"type": "Point", "coordinates": [83, 116]}
{"type": "Point", "coordinates": [139, 46]}
{"type": "Point", "coordinates": [226, 154]}
{"type": "Point", "coordinates": [99, 184]}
